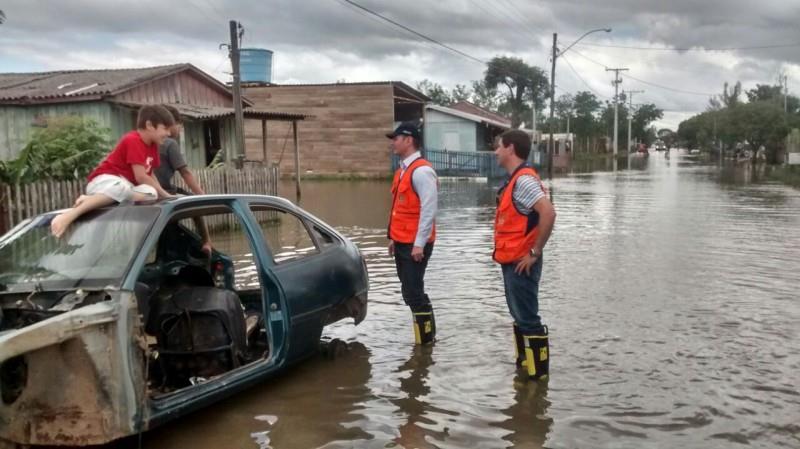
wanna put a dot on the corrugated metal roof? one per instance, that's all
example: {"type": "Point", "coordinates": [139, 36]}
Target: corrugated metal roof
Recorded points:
{"type": "Point", "coordinates": [470, 108]}
{"type": "Point", "coordinates": [198, 112]}
{"type": "Point", "coordinates": [84, 85]}
{"type": "Point", "coordinates": [76, 83]}
{"type": "Point", "coordinates": [468, 116]}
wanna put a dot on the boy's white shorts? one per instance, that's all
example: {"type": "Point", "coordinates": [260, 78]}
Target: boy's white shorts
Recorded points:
{"type": "Point", "coordinates": [118, 188]}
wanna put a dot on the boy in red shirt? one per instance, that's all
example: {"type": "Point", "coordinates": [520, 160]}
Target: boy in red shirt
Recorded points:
{"type": "Point", "coordinates": [126, 173]}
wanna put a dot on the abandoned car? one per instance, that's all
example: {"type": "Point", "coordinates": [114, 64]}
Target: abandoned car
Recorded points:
{"type": "Point", "coordinates": [130, 320]}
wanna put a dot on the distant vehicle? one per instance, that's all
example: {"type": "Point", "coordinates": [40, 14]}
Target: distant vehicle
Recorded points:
{"type": "Point", "coordinates": [660, 146]}
{"type": "Point", "coordinates": [125, 323]}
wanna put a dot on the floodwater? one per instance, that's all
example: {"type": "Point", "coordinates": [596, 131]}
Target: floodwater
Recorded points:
{"type": "Point", "coordinates": [670, 291]}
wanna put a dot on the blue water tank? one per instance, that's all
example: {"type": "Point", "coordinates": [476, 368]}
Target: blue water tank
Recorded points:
{"type": "Point", "coordinates": [255, 65]}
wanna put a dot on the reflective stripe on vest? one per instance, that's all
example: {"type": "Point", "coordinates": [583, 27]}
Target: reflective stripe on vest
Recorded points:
{"type": "Point", "coordinates": [512, 238]}
{"type": "Point", "coordinates": [404, 218]}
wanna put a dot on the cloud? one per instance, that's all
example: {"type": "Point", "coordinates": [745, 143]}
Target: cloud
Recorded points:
{"type": "Point", "coordinates": [328, 40]}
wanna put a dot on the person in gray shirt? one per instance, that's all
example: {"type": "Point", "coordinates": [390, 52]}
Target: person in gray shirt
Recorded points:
{"type": "Point", "coordinates": [172, 160]}
{"type": "Point", "coordinates": [412, 228]}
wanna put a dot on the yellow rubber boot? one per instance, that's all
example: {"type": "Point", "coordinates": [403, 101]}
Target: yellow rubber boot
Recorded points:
{"type": "Point", "coordinates": [424, 325]}
{"type": "Point", "coordinates": [537, 355]}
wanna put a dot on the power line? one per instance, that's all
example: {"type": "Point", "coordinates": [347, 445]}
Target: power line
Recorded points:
{"type": "Point", "coordinates": [378, 20]}
{"type": "Point", "coordinates": [687, 49]}
{"type": "Point", "coordinates": [416, 33]}
{"type": "Point", "coordinates": [430, 39]}
{"type": "Point", "coordinates": [504, 15]}
{"type": "Point", "coordinates": [581, 78]}
{"type": "Point", "coordinates": [689, 92]}
{"type": "Point", "coordinates": [660, 86]}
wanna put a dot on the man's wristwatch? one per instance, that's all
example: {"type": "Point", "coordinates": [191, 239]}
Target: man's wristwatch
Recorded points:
{"type": "Point", "coordinates": [534, 253]}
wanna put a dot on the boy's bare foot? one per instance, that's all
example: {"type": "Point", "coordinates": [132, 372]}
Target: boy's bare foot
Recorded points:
{"type": "Point", "coordinates": [59, 225]}
{"type": "Point", "coordinates": [80, 200]}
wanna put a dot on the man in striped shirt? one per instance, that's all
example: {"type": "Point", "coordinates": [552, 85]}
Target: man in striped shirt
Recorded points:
{"type": "Point", "coordinates": [523, 223]}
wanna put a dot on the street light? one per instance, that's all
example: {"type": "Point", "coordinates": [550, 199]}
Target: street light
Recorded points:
{"type": "Point", "coordinates": [556, 54]}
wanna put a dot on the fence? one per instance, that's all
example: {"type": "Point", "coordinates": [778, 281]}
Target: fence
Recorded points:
{"type": "Point", "coordinates": [18, 202]}
{"type": "Point", "coordinates": [467, 163]}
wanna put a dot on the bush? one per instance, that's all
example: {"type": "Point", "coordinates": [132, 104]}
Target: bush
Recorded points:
{"type": "Point", "coordinates": [69, 148]}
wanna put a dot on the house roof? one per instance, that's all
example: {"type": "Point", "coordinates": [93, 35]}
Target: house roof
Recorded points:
{"type": "Point", "coordinates": [403, 88]}
{"type": "Point", "coordinates": [197, 112]}
{"type": "Point", "coordinates": [467, 116]}
{"type": "Point", "coordinates": [86, 85]}
{"type": "Point", "coordinates": [212, 112]}
{"type": "Point", "coordinates": [471, 108]}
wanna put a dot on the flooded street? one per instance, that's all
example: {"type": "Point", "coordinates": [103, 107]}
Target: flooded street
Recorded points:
{"type": "Point", "coordinates": [671, 296]}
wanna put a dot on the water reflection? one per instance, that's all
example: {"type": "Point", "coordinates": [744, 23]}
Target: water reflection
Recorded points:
{"type": "Point", "coordinates": [528, 419]}
{"type": "Point", "coordinates": [414, 384]}
{"type": "Point", "coordinates": [671, 295]}
{"type": "Point", "coordinates": [324, 410]}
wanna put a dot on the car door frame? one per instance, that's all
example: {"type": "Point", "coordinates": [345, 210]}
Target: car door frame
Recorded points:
{"type": "Point", "coordinates": [166, 407]}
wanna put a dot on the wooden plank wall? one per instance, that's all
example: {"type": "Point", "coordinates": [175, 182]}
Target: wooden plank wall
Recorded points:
{"type": "Point", "coordinates": [346, 134]}
{"type": "Point", "coordinates": [18, 202]}
{"type": "Point", "coordinates": [183, 87]}
{"type": "Point", "coordinates": [17, 123]}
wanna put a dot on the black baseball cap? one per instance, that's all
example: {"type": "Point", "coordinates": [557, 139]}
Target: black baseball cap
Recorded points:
{"type": "Point", "coordinates": [405, 129]}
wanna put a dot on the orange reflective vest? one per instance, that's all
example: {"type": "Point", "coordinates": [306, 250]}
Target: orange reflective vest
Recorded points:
{"type": "Point", "coordinates": [404, 219]}
{"type": "Point", "coordinates": [514, 233]}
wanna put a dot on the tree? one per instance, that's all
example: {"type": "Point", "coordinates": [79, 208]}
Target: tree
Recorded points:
{"type": "Point", "coordinates": [606, 123]}
{"type": "Point", "coordinates": [2, 17]}
{"type": "Point", "coordinates": [524, 84]}
{"type": "Point", "coordinates": [765, 92]}
{"type": "Point", "coordinates": [69, 148]}
{"type": "Point", "coordinates": [642, 118]}
{"type": "Point", "coordinates": [585, 106]}
{"type": "Point", "coordinates": [460, 93]}
{"type": "Point", "coordinates": [727, 99]}
{"type": "Point", "coordinates": [760, 123]}
{"type": "Point", "coordinates": [565, 108]}
{"type": "Point", "coordinates": [667, 136]}
{"type": "Point", "coordinates": [435, 91]}
{"type": "Point", "coordinates": [484, 96]}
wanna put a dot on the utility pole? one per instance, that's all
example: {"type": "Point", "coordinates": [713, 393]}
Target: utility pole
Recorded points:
{"type": "Point", "coordinates": [785, 92]}
{"type": "Point", "coordinates": [616, 84]}
{"type": "Point", "coordinates": [550, 145]}
{"type": "Point", "coordinates": [629, 94]}
{"type": "Point", "coordinates": [534, 139]}
{"type": "Point", "coordinates": [236, 30]}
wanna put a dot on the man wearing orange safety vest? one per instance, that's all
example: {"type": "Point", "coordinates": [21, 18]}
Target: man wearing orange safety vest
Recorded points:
{"type": "Point", "coordinates": [522, 225]}
{"type": "Point", "coordinates": [412, 225]}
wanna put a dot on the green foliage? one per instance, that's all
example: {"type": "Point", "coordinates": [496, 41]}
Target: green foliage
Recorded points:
{"type": "Point", "coordinates": [68, 148]}
{"type": "Point", "coordinates": [436, 92]}
{"type": "Point", "coordinates": [484, 95]}
{"type": "Point", "coordinates": [521, 84]}
{"type": "Point", "coordinates": [218, 161]}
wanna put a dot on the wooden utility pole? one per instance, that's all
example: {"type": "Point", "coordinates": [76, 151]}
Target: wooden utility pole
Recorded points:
{"type": "Point", "coordinates": [550, 144]}
{"type": "Point", "coordinates": [237, 92]}
{"type": "Point", "coordinates": [629, 94]}
{"type": "Point", "coordinates": [616, 84]}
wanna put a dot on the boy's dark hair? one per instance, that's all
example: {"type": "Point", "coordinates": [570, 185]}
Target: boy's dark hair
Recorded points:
{"type": "Point", "coordinates": [521, 141]}
{"type": "Point", "coordinates": [175, 114]}
{"type": "Point", "coordinates": [156, 115]}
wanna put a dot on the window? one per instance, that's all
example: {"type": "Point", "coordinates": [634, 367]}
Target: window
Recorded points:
{"type": "Point", "coordinates": [286, 234]}
{"type": "Point", "coordinates": [229, 239]}
{"type": "Point", "coordinates": [323, 238]}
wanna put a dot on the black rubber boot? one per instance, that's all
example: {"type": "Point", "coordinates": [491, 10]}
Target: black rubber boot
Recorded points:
{"type": "Point", "coordinates": [424, 324]}
{"type": "Point", "coordinates": [537, 354]}
{"type": "Point", "coordinates": [519, 347]}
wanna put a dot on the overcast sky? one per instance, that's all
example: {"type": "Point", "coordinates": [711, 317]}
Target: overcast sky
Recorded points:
{"type": "Point", "coordinates": [328, 40]}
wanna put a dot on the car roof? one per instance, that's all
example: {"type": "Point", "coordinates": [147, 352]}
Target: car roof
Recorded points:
{"type": "Point", "coordinates": [170, 203]}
